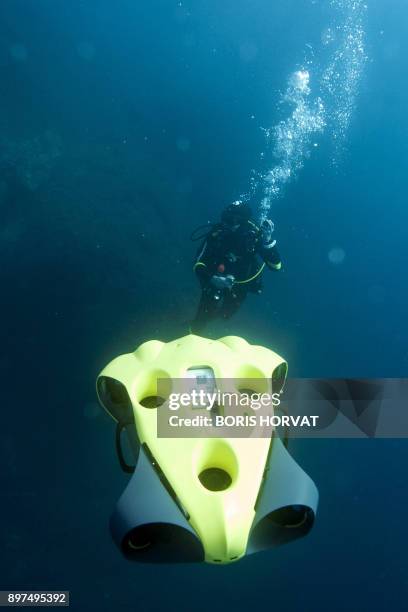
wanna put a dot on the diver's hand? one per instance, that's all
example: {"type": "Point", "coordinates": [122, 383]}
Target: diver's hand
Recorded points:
{"type": "Point", "coordinates": [267, 229]}
{"type": "Point", "coordinates": [222, 282]}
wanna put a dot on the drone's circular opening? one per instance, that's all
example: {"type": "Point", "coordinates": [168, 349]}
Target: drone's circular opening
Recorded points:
{"type": "Point", "coordinates": [290, 517]}
{"type": "Point", "coordinates": [153, 388]}
{"type": "Point", "coordinates": [152, 401]}
{"type": "Point", "coordinates": [215, 479]}
{"type": "Point", "coordinates": [250, 380]}
{"type": "Point", "coordinates": [247, 391]}
{"type": "Point", "coordinates": [138, 539]}
{"type": "Point", "coordinates": [114, 397]}
{"type": "Point", "coordinates": [216, 465]}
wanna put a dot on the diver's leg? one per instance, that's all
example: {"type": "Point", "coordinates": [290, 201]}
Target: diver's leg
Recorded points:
{"type": "Point", "coordinates": [207, 310]}
{"type": "Point", "coordinates": [232, 302]}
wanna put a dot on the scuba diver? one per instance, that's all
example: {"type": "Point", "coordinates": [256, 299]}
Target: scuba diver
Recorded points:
{"type": "Point", "coordinates": [230, 262]}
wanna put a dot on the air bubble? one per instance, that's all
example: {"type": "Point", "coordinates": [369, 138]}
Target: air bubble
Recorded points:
{"type": "Point", "coordinates": [293, 139]}
{"type": "Point", "coordinates": [336, 255]}
{"type": "Point", "coordinates": [183, 144]}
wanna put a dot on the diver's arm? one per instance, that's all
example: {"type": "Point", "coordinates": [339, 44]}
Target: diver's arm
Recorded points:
{"type": "Point", "coordinates": [270, 255]}
{"type": "Point", "coordinates": [200, 264]}
{"type": "Point", "coordinates": [267, 246]}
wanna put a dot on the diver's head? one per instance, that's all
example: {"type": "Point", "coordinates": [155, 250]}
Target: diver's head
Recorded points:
{"type": "Point", "coordinates": [235, 214]}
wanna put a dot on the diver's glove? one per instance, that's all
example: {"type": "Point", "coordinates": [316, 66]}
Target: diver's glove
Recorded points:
{"type": "Point", "coordinates": [267, 229]}
{"type": "Point", "coordinates": [222, 282]}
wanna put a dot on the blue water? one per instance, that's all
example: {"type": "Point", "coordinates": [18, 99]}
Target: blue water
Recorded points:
{"type": "Point", "coordinates": [122, 127]}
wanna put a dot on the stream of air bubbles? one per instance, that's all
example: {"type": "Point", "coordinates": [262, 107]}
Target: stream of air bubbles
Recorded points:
{"type": "Point", "coordinates": [318, 99]}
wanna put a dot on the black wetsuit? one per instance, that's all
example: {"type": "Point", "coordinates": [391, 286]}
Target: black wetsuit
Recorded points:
{"type": "Point", "coordinates": [241, 252]}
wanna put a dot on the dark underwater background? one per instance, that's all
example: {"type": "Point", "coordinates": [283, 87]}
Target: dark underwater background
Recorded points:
{"type": "Point", "coordinates": [123, 126]}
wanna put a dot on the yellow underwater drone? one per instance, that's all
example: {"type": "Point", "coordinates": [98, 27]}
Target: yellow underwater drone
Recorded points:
{"type": "Point", "coordinates": [201, 498]}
